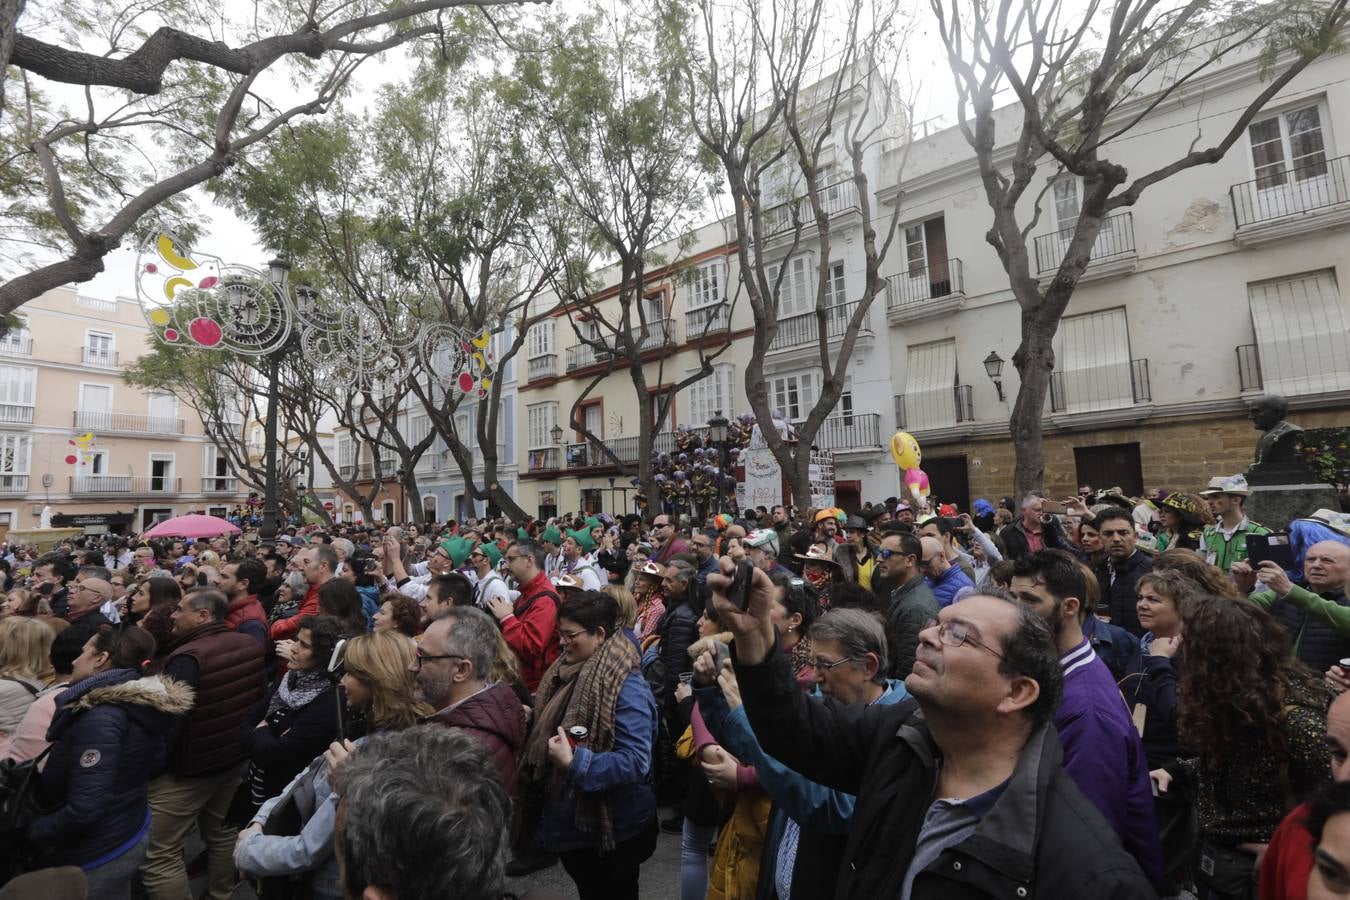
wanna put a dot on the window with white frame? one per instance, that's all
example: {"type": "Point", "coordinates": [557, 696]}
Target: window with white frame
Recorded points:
{"type": "Point", "coordinates": [163, 411]}
{"type": "Point", "coordinates": [16, 339]}
{"type": "Point", "coordinates": [18, 386]}
{"type": "Point", "coordinates": [15, 457]}
{"type": "Point", "coordinates": [705, 289]}
{"type": "Point", "coordinates": [1288, 147]}
{"type": "Point", "coordinates": [836, 293]}
{"type": "Point", "coordinates": [539, 421]}
{"type": "Point", "coordinates": [215, 470]}
{"type": "Point", "coordinates": [100, 348]}
{"type": "Point", "coordinates": [930, 378]}
{"type": "Point", "coordinates": [794, 294]}
{"type": "Point", "coordinates": [795, 394]}
{"type": "Point", "coordinates": [712, 394]}
{"type": "Point", "coordinates": [1301, 335]}
{"type": "Point", "coordinates": [1092, 363]}
{"type": "Point", "coordinates": [540, 339]}
{"type": "Point", "coordinates": [1066, 203]}
{"type": "Point", "coordinates": [916, 249]}
{"type": "Point", "coordinates": [346, 452]}
{"type": "Point", "coordinates": [419, 426]}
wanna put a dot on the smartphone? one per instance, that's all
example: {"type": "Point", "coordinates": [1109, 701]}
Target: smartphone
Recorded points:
{"type": "Point", "coordinates": [1273, 547]}
{"type": "Point", "coordinates": [739, 592]}
{"type": "Point", "coordinates": [334, 672]}
{"type": "Point", "coordinates": [1052, 508]}
{"type": "Point", "coordinates": [722, 652]}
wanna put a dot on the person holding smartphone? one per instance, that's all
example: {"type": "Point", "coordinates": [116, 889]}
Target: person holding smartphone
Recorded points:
{"type": "Point", "coordinates": [1316, 613]}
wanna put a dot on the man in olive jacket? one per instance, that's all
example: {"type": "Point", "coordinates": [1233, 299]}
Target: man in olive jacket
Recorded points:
{"type": "Point", "coordinates": [998, 818]}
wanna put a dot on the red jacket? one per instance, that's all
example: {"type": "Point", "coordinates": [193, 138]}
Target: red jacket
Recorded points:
{"type": "Point", "coordinates": [287, 628]}
{"type": "Point", "coordinates": [1288, 859]}
{"type": "Point", "coordinates": [532, 631]}
{"type": "Point", "coordinates": [250, 611]}
{"type": "Point", "coordinates": [494, 718]}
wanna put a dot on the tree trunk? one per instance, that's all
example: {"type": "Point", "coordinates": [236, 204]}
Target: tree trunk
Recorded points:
{"type": "Point", "coordinates": [367, 509]}
{"type": "Point", "coordinates": [412, 496]}
{"type": "Point", "coordinates": [799, 477]}
{"type": "Point", "coordinates": [1035, 361]}
{"type": "Point", "coordinates": [10, 10]}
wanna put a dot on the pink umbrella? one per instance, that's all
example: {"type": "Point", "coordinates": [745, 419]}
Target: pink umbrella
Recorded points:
{"type": "Point", "coordinates": [192, 526]}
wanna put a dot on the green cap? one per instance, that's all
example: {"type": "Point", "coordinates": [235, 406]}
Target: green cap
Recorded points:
{"type": "Point", "coordinates": [458, 548]}
{"type": "Point", "coordinates": [491, 552]}
{"type": "Point", "coordinates": [593, 522]}
{"type": "Point", "coordinates": [522, 534]}
{"type": "Point", "coordinates": [551, 535]}
{"type": "Point", "coordinates": [583, 538]}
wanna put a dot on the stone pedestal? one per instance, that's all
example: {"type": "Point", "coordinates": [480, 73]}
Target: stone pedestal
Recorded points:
{"type": "Point", "coordinates": [1276, 505]}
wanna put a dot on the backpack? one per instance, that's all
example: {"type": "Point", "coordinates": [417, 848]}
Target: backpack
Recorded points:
{"type": "Point", "coordinates": [19, 808]}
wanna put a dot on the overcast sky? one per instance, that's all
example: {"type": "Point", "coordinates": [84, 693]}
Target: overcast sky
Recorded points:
{"type": "Point", "coordinates": [229, 237]}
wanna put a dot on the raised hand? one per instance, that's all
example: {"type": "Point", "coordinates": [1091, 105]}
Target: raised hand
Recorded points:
{"type": "Point", "coordinates": [752, 627]}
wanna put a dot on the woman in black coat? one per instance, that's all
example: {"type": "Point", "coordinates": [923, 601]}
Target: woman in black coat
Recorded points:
{"type": "Point", "coordinates": [108, 741]}
{"type": "Point", "coordinates": [299, 719]}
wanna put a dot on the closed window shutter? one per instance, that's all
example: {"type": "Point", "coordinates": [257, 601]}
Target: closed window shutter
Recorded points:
{"type": "Point", "coordinates": [1301, 334]}
{"type": "Point", "coordinates": [930, 379]}
{"type": "Point", "coordinates": [1092, 363]}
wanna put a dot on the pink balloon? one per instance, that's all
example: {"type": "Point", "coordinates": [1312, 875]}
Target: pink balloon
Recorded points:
{"type": "Point", "coordinates": [465, 382]}
{"type": "Point", "coordinates": [170, 334]}
{"type": "Point", "coordinates": [204, 331]}
{"type": "Point", "coordinates": [70, 460]}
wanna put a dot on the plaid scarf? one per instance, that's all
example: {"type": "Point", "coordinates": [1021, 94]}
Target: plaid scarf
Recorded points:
{"type": "Point", "coordinates": [583, 693]}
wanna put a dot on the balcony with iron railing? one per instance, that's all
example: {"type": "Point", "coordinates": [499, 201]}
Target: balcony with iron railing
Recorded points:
{"type": "Point", "coordinates": [98, 356]}
{"type": "Point", "coordinates": [1292, 200]}
{"type": "Point", "coordinates": [1112, 253]}
{"type": "Point", "coordinates": [836, 199]}
{"type": "Point", "coordinates": [802, 330]}
{"type": "Point", "coordinates": [16, 414]}
{"type": "Point", "coordinates": [846, 433]}
{"type": "Point", "coordinates": [125, 484]}
{"type": "Point", "coordinates": [540, 367]}
{"type": "Point", "coordinates": [707, 321]}
{"type": "Point", "coordinates": [1110, 386]}
{"type": "Point", "coordinates": [220, 484]}
{"type": "Point", "coordinates": [544, 459]}
{"type": "Point", "coordinates": [580, 356]}
{"type": "Point", "coordinates": [1249, 368]}
{"type": "Point", "coordinates": [921, 411]}
{"type": "Point", "coordinates": [13, 484]}
{"type": "Point", "coordinates": [16, 344]}
{"type": "Point", "coordinates": [660, 333]}
{"type": "Point", "coordinates": [98, 420]}
{"type": "Point", "coordinates": [934, 290]}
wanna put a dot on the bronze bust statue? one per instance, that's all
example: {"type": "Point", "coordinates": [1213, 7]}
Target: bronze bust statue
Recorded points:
{"type": "Point", "coordinates": [1277, 460]}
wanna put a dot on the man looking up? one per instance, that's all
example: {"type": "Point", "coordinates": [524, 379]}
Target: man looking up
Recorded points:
{"type": "Point", "coordinates": [998, 816]}
{"type": "Point", "coordinates": [911, 604]}
{"type": "Point", "coordinates": [577, 564]}
{"type": "Point", "coordinates": [667, 540]}
{"type": "Point", "coordinates": [86, 598]}
{"type": "Point", "coordinates": [1102, 750]}
{"type": "Point", "coordinates": [318, 563]}
{"type": "Point", "coordinates": [1024, 536]}
{"type": "Point", "coordinates": [761, 548]}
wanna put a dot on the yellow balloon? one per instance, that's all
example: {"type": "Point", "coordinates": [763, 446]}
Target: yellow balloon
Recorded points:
{"type": "Point", "coordinates": [905, 450]}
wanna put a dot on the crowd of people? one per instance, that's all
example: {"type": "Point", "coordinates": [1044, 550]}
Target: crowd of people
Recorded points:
{"type": "Point", "coordinates": [1102, 696]}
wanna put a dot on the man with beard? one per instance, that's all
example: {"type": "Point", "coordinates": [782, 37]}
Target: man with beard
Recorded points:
{"type": "Point", "coordinates": [452, 667]}
{"type": "Point", "coordinates": [1102, 750]}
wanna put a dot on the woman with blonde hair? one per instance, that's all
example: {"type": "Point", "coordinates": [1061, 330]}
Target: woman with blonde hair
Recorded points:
{"type": "Point", "coordinates": [628, 613]}
{"type": "Point", "coordinates": [25, 667]}
{"type": "Point", "coordinates": [378, 682]}
{"type": "Point", "coordinates": [23, 602]}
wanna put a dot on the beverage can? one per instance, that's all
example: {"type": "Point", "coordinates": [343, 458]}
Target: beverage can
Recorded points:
{"type": "Point", "coordinates": [577, 734]}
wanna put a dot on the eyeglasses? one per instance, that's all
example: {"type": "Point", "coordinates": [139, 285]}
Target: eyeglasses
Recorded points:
{"type": "Point", "coordinates": [421, 657]}
{"type": "Point", "coordinates": [821, 665]}
{"type": "Point", "coordinates": [954, 634]}
{"type": "Point", "coordinates": [887, 553]}
{"type": "Point", "coordinates": [570, 636]}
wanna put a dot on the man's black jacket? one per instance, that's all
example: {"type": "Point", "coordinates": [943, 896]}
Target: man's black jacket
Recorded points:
{"type": "Point", "coordinates": [1041, 839]}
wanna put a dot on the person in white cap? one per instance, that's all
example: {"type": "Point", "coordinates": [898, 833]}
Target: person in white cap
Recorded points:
{"type": "Point", "coordinates": [1225, 542]}
{"type": "Point", "coordinates": [761, 547]}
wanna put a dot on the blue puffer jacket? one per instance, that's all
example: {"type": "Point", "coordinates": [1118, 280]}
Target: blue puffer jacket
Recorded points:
{"type": "Point", "coordinates": [108, 741]}
{"type": "Point", "coordinates": [622, 774]}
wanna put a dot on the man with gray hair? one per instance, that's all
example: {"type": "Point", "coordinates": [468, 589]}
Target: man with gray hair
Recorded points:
{"type": "Point", "coordinates": [453, 668]}
{"type": "Point", "coordinates": [1026, 534]}
{"type": "Point", "coordinates": [421, 817]}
